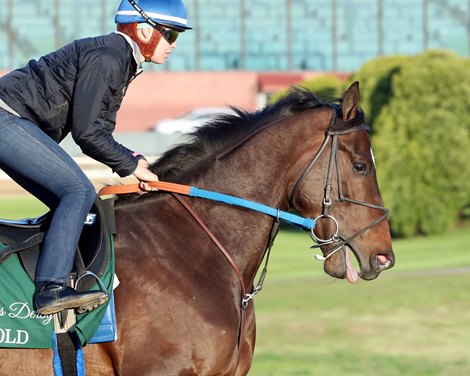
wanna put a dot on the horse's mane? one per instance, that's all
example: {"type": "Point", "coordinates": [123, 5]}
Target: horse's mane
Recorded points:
{"type": "Point", "coordinates": [178, 163]}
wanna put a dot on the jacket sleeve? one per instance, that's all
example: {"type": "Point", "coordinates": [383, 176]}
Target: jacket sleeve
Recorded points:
{"type": "Point", "coordinates": [98, 86]}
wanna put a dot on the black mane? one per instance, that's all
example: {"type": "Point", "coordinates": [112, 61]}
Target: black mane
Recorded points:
{"type": "Point", "coordinates": [215, 137]}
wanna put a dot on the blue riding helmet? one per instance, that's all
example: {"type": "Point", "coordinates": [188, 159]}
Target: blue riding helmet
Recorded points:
{"type": "Point", "coordinates": [171, 13]}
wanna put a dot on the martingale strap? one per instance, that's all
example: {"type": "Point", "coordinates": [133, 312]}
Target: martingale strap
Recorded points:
{"type": "Point", "coordinates": [296, 220]}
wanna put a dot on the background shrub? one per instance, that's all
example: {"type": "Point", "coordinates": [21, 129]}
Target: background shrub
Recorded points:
{"type": "Point", "coordinates": [419, 110]}
{"type": "Point", "coordinates": [327, 88]}
{"type": "Point", "coordinates": [421, 115]}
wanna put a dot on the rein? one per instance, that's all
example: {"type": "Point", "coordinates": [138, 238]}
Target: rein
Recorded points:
{"type": "Point", "coordinates": [293, 219]}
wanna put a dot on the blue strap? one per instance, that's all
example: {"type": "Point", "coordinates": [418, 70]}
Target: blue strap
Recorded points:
{"type": "Point", "coordinates": [80, 362]}
{"type": "Point", "coordinates": [56, 358]}
{"type": "Point", "coordinates": [56, 362]}
{"type": "Point", "coordinates": [305, 223]}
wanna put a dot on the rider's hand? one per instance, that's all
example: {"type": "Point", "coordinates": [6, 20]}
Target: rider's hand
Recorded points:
{"type": "Point", "coordinates": [144, 175]}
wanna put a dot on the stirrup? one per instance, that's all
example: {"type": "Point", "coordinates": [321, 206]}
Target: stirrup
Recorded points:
{"type": "Point", "coordinates": [98, 280]}
{"type": "Point", "coordinates": [88, 308]}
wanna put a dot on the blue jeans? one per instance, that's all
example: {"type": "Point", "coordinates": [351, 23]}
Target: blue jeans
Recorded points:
{"type": "Point", "coordinates": [43, 168]}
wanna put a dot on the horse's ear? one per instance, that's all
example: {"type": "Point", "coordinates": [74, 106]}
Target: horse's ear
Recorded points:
{"type": "Point", "coordinates": [350, 101]}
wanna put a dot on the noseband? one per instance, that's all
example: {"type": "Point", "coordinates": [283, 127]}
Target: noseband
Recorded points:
{"type": "Point", "coordinates": [336, 239]}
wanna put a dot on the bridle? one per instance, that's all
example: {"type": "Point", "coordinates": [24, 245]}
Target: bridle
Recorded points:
{"type": "Point", "coordinates": [338, 240]}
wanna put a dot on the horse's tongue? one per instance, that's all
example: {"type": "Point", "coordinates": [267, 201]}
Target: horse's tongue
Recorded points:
{"type": "Point", "coordinates": [382, 259]}
{"type": "Point", "coordinates": [351, 273]}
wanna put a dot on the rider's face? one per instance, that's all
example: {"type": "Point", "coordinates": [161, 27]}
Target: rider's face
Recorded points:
{"type": "Point", "coordinates": [163, 51]}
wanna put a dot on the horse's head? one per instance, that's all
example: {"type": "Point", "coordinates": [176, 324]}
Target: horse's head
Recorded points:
{"type": "Point", "coordinates": [339, 188]}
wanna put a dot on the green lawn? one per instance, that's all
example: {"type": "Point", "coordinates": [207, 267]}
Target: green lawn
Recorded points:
{"type": "Point", "coordinates": [414, 320]}
{"type": "Point", "coordinates": [17, 208]}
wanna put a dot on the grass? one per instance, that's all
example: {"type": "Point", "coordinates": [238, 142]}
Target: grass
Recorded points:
{"type": "Point", "coordinates": [400, 325]}
{"type": "Point", "coordinates": [21, 207]}
{"type": "Point", "coordinates": [414, 320]}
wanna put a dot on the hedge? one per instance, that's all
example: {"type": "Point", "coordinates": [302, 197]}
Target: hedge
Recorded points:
{"type": "Point", "coordinates": [422, 143]}
{"type": "Point", "coordinates": [419, 110]}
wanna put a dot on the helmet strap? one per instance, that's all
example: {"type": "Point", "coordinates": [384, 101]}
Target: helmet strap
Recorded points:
{"type": "Point", "coordinates": [147, 48]}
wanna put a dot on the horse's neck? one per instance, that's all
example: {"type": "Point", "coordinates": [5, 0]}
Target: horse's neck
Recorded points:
{"type": "Point", "coordinates": [263, 169]}
{"type": "Point", "coordinates": [255, 171]}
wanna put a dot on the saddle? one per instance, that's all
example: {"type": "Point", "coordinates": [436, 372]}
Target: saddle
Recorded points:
{"type": "Point", "coordinates": [25, 236]}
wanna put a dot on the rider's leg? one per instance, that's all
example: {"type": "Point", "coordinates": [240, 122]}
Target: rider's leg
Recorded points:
{"type": "Point", "coordinates": [43, 168]}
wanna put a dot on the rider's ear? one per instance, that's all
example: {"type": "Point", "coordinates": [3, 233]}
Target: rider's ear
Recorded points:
{"type": "Point", "coordinates": [145, 33]}
{"type": "Point", "coordinates": [350, 101]}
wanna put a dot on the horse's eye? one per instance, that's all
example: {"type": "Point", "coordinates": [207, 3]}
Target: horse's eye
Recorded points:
{"type": "Point", "coordinates": [360, 168]}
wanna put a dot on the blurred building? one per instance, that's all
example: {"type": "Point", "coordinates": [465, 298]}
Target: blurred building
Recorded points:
{"type": "Point", "coordinates": [254, 35]}
{"type": "Point", "coordinates": [241, 50]}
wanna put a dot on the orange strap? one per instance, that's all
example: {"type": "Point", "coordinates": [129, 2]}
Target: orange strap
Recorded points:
{"type": "Point", "coordinates": [133, 188]}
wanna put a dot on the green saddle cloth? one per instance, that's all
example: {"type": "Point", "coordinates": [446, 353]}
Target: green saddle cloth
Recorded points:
{"type": "Point", "coordinates": [21, 326]}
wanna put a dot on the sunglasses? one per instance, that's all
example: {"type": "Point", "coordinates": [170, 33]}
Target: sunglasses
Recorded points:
{"type": "Point", "coordinates": [169, 35]}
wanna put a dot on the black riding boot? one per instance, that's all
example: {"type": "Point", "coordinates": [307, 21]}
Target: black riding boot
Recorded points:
{"type": "Point", "coordinates": [53, 297]}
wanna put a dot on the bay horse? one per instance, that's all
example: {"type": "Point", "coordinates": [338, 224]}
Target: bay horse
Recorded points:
{"type": "Point", "coordinates": [179, 303]}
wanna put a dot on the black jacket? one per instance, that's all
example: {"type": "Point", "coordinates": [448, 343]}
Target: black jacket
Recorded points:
{"type": "Point", "coordinates": [78, 89]}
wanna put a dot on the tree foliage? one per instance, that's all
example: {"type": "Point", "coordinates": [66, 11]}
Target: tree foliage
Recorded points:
{"type": "Point", "coordinates": [326, 87]}
{"type": "Point", "coordinates": [420, 110]}
{"type": "Point", "coordinates": [375, 80]}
